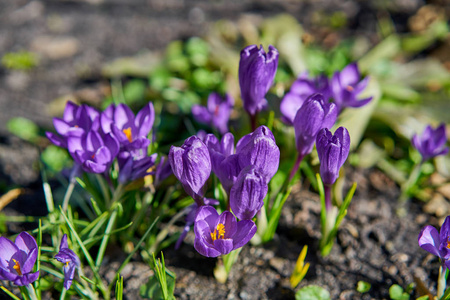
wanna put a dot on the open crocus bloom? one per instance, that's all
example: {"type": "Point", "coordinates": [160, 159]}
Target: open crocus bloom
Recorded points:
{"type": "Point", "coordinates": [431, 143]}
{"type": "Point", "coordinates": [216, 113]}
{"type": "Point", "coordinates": [131, 131]}
{"type": "Point", "coordinates": [17, 259]}
{"type": "Point", "coordinates": [437, 243]}
{"type": "Point", "coordinates": [220, 234]}
{"type": "Point", "coordinates": [346, 86]}
{"type": "Point", "coordinates": [70, 259]}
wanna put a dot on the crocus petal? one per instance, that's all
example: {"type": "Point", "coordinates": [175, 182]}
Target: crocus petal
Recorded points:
{"type": "Point", "coordinates": [247, 194]}
{"type": "Point", "coordinates": [201, 114]}
{"type": "Point", "coordinates": [69, 274]}
{"type": "Point", "coordinates": [229, 222]}
{"type": "Point", "coordinates": [144, 119]}
{"type": "Point", "coordinates": [429, 240]}
{"type": "Point", "coordinates": [350, 75]}
{"type": "Point", "coordinates": [246, 229]}
{"type": "Point", "coordinates": [25, 242]}
{"type": "Point", "coordinates": [7, 275]}
{"type": "Point", "coordinates": [28, 264]}
{"type": "Point", "coordinates": [7, 250]}
{"type": "Point", "coordinates": [224, 246]}
{"type": "Point", "coordinates": [204, 249]}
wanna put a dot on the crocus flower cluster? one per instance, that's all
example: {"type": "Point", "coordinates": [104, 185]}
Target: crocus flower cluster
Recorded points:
{"type": "Point", "coordinates": [17, 259]}
{"type": "Point", "coordinates": [95, 139]}
{"type": "Point", "coordinates": [216, 113]}
{"type": "Point", "coordinates": [256, 73]}
{"type": "Point", "coordinates": [244, 174]}
{"type": "Point", "coordinates": [70, 261]}
{"type": "Point", "coordinates": [437, 243]}
{"type": "Point", "coordinates": [343, 89]}
{"type": "Point", "coordinates": [431, 143]}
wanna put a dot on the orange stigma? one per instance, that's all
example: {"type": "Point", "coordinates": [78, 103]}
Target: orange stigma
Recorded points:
{"type": "Point", "coordinates": [17, 267]}
{"type": "Point", "coordinates": [448, 245]}
{"type": "Point", "coordinates": [219, 232]}
{"type": "Point", "coordinates": [349, 88]}
{"type": "Point", "coordinates": [128, 134]}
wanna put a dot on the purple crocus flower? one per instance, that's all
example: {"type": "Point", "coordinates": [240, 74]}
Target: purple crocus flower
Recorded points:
{"type": "Point", "coordinates": [216, 113]}
{"type": "Point", "coordinates": [92, 151]}
{"type": "Point", "coordinates": [301, 89]}
{"type": "Point", "coordinates": [224, 162]}
{"type": "Point", "coordinates": [346, 86]}
{"type": "Point", "coordinates": [70, 259]}
{"type": "Point", "coordinates": [314, 115]}
{"type": "Point", "coordinates": [333, 152]}
{"type": "Point", "coordinates": [247, 194]}
{"type": "Point", "coordinates": [220, 234]}
{"type": "Point", "coordinates": [17, 259]}
{"type": "Point", "coordinates": [131, 169]}
{"type": "Point", "coordinates": [191, 164]}
{"type": "Point", "coordinates": [437, 243]}
{"type": "Point", "coordinates": [76, 121]}
{"type": "Point", "coordinates": [256, 73]}
{"type": "Point", "coordinates": [259, 149]}
{"type": "Point", "coordinates": [131, 131]}
{"type": "Point", "coordinates": [431, 143]}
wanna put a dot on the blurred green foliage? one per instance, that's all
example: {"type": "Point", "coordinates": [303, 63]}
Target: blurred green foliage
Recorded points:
{"type": "Point", "coordinates": [22, 60]}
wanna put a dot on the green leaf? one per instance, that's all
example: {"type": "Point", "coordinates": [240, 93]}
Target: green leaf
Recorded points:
{"type": "Point", "coordinates": [21, 60]}
{"type": "Point", "coordinates": [23, 128]}
{"type": "Point", "coordinates": [396, 293]}
{"type": "Point", "coordinates": [363, 287]}
{"type": "Point", "coordinates": [134, 90]}
{"type": "Point", "coordinates": [312, 292]}
{"type": "Point", "coordinates": [152, 289]}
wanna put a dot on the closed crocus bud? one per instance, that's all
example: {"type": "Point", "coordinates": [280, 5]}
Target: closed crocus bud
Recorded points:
{"type": "Point", "coordinates": [191, 164]}
{"type": "Point", "coordinates": [259, 149]}
{"type": "Point", "coordinates": [220, 234]}
{"type": "Point", "coordinates": [431, 143]}
{"type": "Point", "coordinates": [256, 73]}
{"type": "Point", "coordinates": [314, 115]}
{"type": "Point", "coordinates": [333, 152]}
{"type": "Point", "coordinates": [346, 86]}
{"type": "Point", "coordinates": [301, 89]}
{"type": "Point", "coordinates": [247, 194]}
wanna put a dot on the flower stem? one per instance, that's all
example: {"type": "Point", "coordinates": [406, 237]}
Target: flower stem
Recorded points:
{"type": "Point", "coordinates": [295, 167]}
{"type": "Point", "coordinates": [410, 182]}
{"type": "Point", "coordinates": [31, 291]}
{"type": "Point", "coordinates": [442, 281]}
{"type": "Point", "coordinates": [67, 195]}
{"type": "Point", "coordinates": [327, 190]}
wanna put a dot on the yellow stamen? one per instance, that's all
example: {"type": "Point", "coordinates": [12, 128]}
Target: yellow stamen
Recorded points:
{"type": "Point", "coordinates": [17, 267]}
{"type": "Point", "coordinates": [219, 232]}
{"type": "Point", "coordinates": [128, 134]}
{"type": "Point", "coordinates": [67, 263]}
{"type": "Point", "coordinates": [448, 245]}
